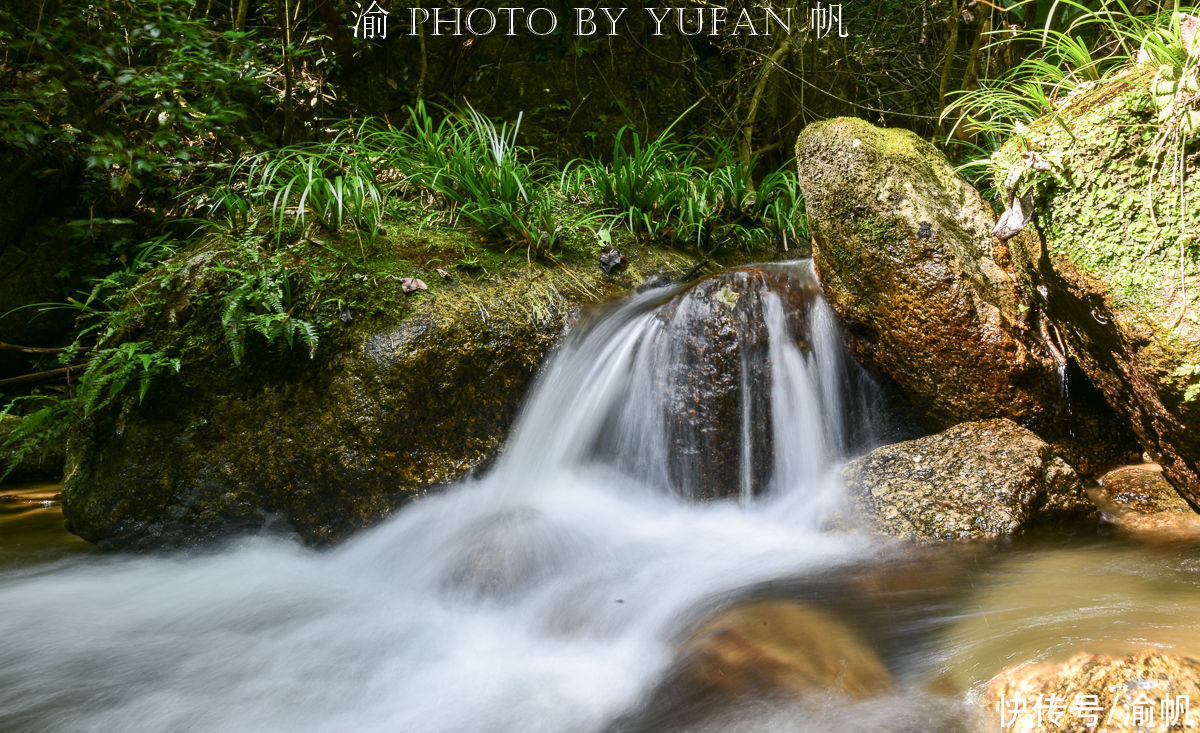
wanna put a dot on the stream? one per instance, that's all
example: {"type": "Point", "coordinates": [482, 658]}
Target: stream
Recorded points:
{"type": "Point", "coordinates": [551, 593]}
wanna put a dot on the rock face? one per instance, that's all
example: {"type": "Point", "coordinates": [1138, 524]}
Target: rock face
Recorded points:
{"type": "Point", "coordinates": [1140, 502]}
{"type": "Point", "coordinates": [716, 343]}
{"type": "Point", "coordinates": [407, 393]}
{"type": "Point", "coordinates": [1149, 691]}
{"type": "Point", "coordinates": [977, 481]}
{"type": "Point", "coordinates": [760, 650]}
{"type": "Point", "coordinates": [1114, 274]}
{"type": "Point", "coordinates": [905, 255]}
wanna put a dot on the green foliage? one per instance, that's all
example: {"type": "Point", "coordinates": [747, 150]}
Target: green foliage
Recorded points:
{"type": "Point", "coordinates": [779, 205]}
{"type": "Point", "coordinates": [142, 108]}
{"type": "Point", "coordinates": [262, 301]}
{"type": "Point", "coordinates": [1093, 45]}
{"type": "Point", "coordinates": [658, 188]}
{"type": "Point", "coordinates": [112, 366]}
{"type": "Point", "coordinates": [258, 297]}
{"type": "Point", "coordinates": [333, 183]}
{"type": "Point", "coordinates": [645, 185]}
{"type": "Point", "coordinates": [1191, 373]}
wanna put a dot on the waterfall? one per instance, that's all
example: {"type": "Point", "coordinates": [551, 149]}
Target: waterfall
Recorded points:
{"type": "Point", "coordinates": [737, 386]}
{"type": "Point", "coordinates": [546, 595]}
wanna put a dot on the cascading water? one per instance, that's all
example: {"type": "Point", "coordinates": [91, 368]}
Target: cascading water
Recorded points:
{"type": "Point", "coordinates": [547, 595]}
{"type": "Point", "coordinates": [737, 385]}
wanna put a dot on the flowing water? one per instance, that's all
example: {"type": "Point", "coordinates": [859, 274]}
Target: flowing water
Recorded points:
{"type": "Point", "coordinates": [551, 594]}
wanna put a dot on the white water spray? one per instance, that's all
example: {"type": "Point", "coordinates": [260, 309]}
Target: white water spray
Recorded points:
{"type": "Point", "coordinates": [546, 596]}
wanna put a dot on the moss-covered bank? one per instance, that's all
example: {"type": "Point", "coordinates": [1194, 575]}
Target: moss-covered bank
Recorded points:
{"type": "Point", "coordinates": [405, 392]}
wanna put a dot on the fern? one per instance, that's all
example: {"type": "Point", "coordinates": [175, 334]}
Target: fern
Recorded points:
{"type": "Point", "coordinates": [262, 302]}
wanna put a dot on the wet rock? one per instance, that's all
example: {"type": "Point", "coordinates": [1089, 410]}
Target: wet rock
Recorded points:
{"type": "Point", "coordinates": [905, 254]}
{"type": "Point", "coordinates": [1106, 264]}
{"type": "Point", "coordinates": [44, 464]}
{"type": "Point", "coordinates": [505, 553]}
{"type": "Point", "coordinates": [1140, 502]}
{"type": "Point", "coordinates": [984, 480]}
{"type": "Point", "coordinates": [772, 650]}
{"type": "Point", "coordinates": [1148, 691]}
{"type": "Point", "coordinates": [411, 394]}
{"type": "Point", "coordinates": [715, 345]}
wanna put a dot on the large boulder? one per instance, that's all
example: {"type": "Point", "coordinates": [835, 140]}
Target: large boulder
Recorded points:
{"type": "Point", "coordinates": [1112, 261]}
{"type": "Point", "coordinates": [905, 255]}
{"type": "Point", "coordinates": [406, 392]}
{"type": "Point", "coordinates": [1147, 691]}
{"type": "Point", "coordinates": [977, 481]}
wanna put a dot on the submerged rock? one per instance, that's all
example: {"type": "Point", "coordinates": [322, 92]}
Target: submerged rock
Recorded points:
{"type": "Point", "coordinates": [977, 481]}
{"type": "Point", "coordinates": [760, 650]}
{"type": "Point", "coordinates": [409, 394]}
{"type": "Point", "coordinates": [1140, 502]}
{"type": "Point", "coordinates": [905, 254]}
{"type": "Point", "coordinates": [1109, 261]}
{"type": "Point", "coordinates": [1148, 691]}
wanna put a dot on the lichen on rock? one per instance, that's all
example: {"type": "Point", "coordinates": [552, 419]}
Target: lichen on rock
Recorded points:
{"type": "Point", "coordinates": [1113, 262]}
{"type": "Point", "coordinates": [984, 480]}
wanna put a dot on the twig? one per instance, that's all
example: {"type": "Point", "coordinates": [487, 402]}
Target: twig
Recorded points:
{"type": "Point", "coordinates": [38, 349]}
{"type": "Point", "coordinates": [41, 376]}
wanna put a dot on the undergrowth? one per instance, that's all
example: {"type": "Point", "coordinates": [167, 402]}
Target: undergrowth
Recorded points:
{"type": "Point", "coordinates": [457, 170]}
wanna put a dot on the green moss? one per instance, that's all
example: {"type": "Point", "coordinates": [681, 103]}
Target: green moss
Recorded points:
{"type": "Point", "coordinates": [1116, 212]}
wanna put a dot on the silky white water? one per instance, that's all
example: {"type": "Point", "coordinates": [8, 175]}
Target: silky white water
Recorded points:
{"type": "Point", "coordinates": [547, 595]}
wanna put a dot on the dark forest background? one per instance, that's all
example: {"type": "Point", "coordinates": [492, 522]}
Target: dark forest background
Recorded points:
{"type": "Point", "coordinates": [116, 117]}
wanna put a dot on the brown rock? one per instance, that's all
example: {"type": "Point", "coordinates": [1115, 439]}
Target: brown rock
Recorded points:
{"type": "Point", "coordinates": [905, 254]}
{"type": "Point", "coordinates": [1141, 502]}
{"type": "Point", "coordinates": [769, 649]}
{"type": "Point", "coordinates": [977, 481]}
{"type": "Point", "coordinates": [1144, 692]}
{"type": "Point", "coordinates": [715, 330]}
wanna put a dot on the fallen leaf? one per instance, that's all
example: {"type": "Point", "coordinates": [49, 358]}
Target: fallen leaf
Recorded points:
{"type": "Point", "coordinates": [727, 296]}
{"type": "Point", "coordinates": [445, 275]}
{"type": "Point", "coordinates": [412, 284]}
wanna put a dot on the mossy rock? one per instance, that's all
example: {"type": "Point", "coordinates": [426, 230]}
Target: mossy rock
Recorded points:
{"type": "Point", "coordinates": [405, 394]}
{"type": "Point", "coordinates": [1117, 275]}
{"type": "Point", "coordinates": [904, 251]}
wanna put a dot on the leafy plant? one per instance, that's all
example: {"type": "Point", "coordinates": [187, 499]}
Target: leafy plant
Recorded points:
{"type": "Point", "coordinates": [645, 185]}
{"type": "Point", "coordinates": [111, 368]}
{"type": "Point", "coordinates": [262, 302]}
{"type": "Point", "coordinates": [333, 183]}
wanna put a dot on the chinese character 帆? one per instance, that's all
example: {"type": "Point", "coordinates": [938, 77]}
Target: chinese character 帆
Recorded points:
{"type": "Point", "coordinates": [371, 22]}
{"type": "Point", "coordinates": [823, 19]}
{"type": "Point", "coordinates": [1174, 710]}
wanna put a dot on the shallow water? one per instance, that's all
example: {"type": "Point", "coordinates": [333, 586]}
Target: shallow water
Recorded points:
{"type": "Point", "coordinates": [551, 594]}
{"type": "Point", "coordinates": [31, 526]}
